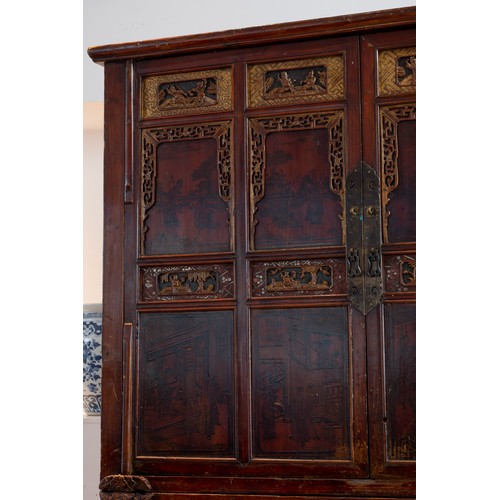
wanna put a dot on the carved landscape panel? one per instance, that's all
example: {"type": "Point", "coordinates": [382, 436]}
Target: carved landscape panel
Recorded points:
{"type": "Point", "coordinates": [185, 384]}
{"type": "Point", "coordinates": [301, 383]}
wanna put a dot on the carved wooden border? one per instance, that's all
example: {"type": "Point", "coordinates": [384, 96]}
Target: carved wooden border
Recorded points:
{"type": "Point", "coordinates": [333, 82]}
{"type": "Point", "coordinates": [390, 116]}
{"type": "Point", "coordinates": [152, 108]}
{"type": "Point", "coordinates": [258, 130]}
{"type": "Point", "coordinates": [220, 131]}
{"type": "Point", "coordinates": [388, 67]}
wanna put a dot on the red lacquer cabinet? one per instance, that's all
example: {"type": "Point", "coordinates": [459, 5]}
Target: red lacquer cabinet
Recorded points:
{"type": "Point", "coordinates": [259, 262]}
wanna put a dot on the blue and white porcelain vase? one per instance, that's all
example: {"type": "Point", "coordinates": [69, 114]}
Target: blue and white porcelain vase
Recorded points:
{"type": "Point", "coordinates": [92, 359]}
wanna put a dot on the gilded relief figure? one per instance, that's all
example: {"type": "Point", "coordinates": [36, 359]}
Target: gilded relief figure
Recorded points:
{"type": "Point", "coordinates": [295, 81]}
{"type": "Point", "coordinates": [407, 71]}
{"type": "Point", "coordinates": [190, 93]}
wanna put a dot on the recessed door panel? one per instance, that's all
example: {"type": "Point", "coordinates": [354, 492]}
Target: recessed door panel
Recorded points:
{"type": "Point", "coordinates": [301, 387]}
{"type": "Point", "coordinates": [186, 384]}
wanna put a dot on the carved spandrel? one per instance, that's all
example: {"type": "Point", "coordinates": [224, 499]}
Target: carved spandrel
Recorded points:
{"type": "Point", "coordinates": [152, 139]}
{"type": "Point", "coordinates": [187, 93]}
{"type": "Point", "coordinates": [300, 277]}
{"type": "Point", "coordinates": [259, 130]}
{"type": "Point", "coordinates": [170, 283]}
{"type": "Point", "coordinates": [294, 82]}
{"type": "Point", "coordinates": [397, 71]}
{"type": "Point", "coordinates": [390, 117]}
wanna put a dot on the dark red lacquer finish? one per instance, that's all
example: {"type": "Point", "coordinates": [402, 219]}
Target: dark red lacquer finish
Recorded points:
{"type": "Point", "coordinates": [237, 362]}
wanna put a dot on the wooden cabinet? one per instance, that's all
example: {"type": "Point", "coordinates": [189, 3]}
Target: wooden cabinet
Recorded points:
{"type": "Point", "coordinates": [259, 262]}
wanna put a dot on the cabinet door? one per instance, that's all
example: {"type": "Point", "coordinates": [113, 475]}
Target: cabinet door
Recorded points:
{"type": "Point", "coordinates": [389, 74]}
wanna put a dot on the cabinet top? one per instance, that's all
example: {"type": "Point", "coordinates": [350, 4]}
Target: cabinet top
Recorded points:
{"type": "Point", "coordinates": [246, 37]}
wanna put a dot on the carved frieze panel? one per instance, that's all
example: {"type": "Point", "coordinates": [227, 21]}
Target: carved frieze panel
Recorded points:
{"type": "Point", "coordinates": [294, 82]}
{"type": "Point", "coordinates": [390, 119]}
{"type": "Point", "coordinates": [187, 93]}
{"type": "Point", "coordinates": [196, 282]}
{"type": "Point", "coordinates": [298, 277]}
{"type": "Point", "coordinates": [397, 71]}
{"type": "Point", "coordinates": [192, 194]}
{"type": "Point", "coordinates": [259, 130]}
{"type": "Point", "coordinates": [400, 273]}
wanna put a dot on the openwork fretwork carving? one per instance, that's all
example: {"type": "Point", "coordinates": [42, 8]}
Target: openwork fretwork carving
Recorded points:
{"type": "Point", "coordinates": [167, 283]}
{"type": "Point", "coordinates": [187, 93]}
{"type": "Point", "coordinates": [390, 116]}
{"type": "Point", "coordinates": [299, 277]}
{"type": "Point", "coordinates": [400, 273]}
{"type": "Point", "coordinates": [258, 130]}
{"type": "Point", "coordinates": [397, 71]}
{"type": "Point", "coordinates": [295, 82]}
{"type": "Point", "coordinates": [220, 131]}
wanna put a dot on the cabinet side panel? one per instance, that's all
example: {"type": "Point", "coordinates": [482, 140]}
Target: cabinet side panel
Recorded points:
{"type": "Point", "coordinates": [114, 159]}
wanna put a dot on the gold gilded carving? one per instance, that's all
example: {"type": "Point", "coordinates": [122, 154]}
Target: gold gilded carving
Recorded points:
{"type": "Point", "coordinates": [299, 277]}
{"type": "Point", "coordinates": [400, 273]}
{"type": "Point", "coordinates": [187, 93]}
{"type": "Point", "coordinates": [293, 82]}
{"type": "Point", "coordinates": [220, 131]}
{"type": "Point", "coordinates": [390, 116]}
{"type": "Point", "coordinates": [397, 71]}
{"type": "Point", "coordinates": [168, 283]}
{"type": "Point", "coordinates": [258, 130]}
{"type": "Point", "coordinates": [305, 277]}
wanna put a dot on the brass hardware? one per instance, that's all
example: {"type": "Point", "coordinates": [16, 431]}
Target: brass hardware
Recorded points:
{"type": "Point", "coordinates": [363, 238]}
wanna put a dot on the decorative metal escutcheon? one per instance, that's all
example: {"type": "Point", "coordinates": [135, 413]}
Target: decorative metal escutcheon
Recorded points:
{"type": "Point", "coordinates": [363, 238]}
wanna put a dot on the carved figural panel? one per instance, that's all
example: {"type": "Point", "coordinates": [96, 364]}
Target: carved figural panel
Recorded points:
{"type": "Point", "coordinates": [397, 71]}
{"type": "Point", "coordinates": [400, 273]}
{"type": "Point", "coordinates": [188, 209]}
{"type": "Point", "coordinates": [187, 93]}
{"type": "Point", "coordinates": [185, 384]}
{"type": "Point", "coordinates": [196, 282]}
{"type": "Point", "coordinates": [398, 158]}
{"type": "Point", "coordinates": [296, 180]}
{"type": "Point", "coordinates": [294, 82]}
{"type": "Point", "coordinates": [298, 277]}
{"type": "Point", "coordinates": [301, 383]}
{"type": "Point", "coordinates": [400, 381]}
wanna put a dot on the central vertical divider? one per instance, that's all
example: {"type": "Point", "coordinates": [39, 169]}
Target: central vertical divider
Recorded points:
{"type": "Point", "coordinates": [242, 335]}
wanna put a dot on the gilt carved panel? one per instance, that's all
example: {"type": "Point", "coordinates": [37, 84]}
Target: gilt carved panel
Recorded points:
{"type": "Point", "coordinates": [186, 210]}
{"type": "Point", "coordinates": [294, 82]}
{"type": "Point", "coordinates": [400, 273]}
{"type": "Point", "coordinates": [397, 71]}
{"type": "Point", "coordinates": [187, 93]}
{"type": "Point", "coordinates": [298, 277]}
{"type": "Point", "coordinates": [297, 180]}
{"type": "Point", "coordinates": [195, 282]}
